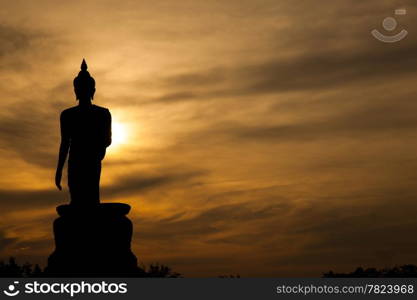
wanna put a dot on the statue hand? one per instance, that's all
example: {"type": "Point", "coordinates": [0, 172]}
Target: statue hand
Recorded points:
{"type": "Point", "coordinates": [58, 177]}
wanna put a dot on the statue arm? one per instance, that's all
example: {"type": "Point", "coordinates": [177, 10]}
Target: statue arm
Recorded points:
{"type": "Point", "coordinates": [63, 151]}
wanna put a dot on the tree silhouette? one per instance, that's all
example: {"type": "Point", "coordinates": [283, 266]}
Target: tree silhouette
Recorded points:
{"type": "Point", "coordinates": [157, 270]}
{"type": "Point", "coordinates": [12, 269]}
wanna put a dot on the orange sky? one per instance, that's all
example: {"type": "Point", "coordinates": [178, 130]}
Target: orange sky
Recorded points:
{"type": "Point", "coordinates": [264, 138]}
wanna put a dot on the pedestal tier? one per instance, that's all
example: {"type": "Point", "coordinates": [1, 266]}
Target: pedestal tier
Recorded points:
{"type": "Point", "coordinates": [93, 241]}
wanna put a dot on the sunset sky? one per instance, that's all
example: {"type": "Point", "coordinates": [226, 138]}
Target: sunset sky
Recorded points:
{"type": "Point", "coordinates": [251, 137]}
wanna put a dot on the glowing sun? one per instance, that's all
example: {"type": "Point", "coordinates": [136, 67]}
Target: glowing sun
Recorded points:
{"type": "Point", "coordinates": [119, 134]}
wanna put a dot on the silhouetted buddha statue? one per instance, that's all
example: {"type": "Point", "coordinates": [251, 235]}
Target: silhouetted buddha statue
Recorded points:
{"type": "Point", "coordinates": [85, 133]}
{"type": "Point", "coordinates": [91, 238]}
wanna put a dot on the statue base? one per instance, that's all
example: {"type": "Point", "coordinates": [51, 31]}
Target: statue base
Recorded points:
{"type": "Point", "coordinates": [93, 242]}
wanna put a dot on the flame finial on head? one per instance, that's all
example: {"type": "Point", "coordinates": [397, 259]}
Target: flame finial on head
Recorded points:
{"type": "Point", "coordinates": [84, 65]}
{"type": "Point", "coordinates": [84, 74]}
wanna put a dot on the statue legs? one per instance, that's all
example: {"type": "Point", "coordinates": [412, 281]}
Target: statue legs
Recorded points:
{"type": "Point", "coordinates": [84, 182]}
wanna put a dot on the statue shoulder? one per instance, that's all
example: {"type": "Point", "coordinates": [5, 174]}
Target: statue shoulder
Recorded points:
{"type": "Point", "coordinates": [69, 111]}
{"type": "Point", "coordinates": [101, 109]}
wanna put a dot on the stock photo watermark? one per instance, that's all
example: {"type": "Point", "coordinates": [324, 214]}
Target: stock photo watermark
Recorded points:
{"type": "Point", "coordinates": [390, 24]}
{"type": "Point", "coordinates": [72, 289]}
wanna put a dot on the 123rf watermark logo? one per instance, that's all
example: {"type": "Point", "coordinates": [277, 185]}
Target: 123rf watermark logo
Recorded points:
{"type": "Point", "coordinates": [72, 288]}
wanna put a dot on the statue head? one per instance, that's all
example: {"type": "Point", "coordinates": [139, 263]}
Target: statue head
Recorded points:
{"type": "Point", "coordinates": [84, 84]}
